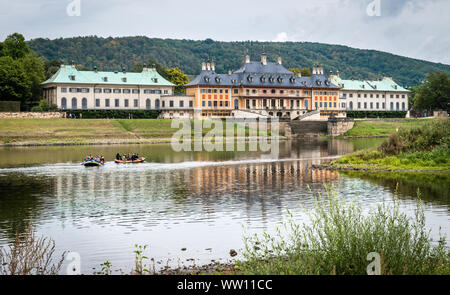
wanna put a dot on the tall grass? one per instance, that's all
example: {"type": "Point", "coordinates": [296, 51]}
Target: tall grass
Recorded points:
{"type": "Point", "coordinates": [338, 239]}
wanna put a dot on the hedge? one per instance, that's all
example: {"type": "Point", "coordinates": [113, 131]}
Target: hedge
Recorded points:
{"type": "Point", "coordinates": [9, 106]}
{"type": "Point", "coordinates": [116, 114]}
{"type": "Point", "coordinates": [373, 114]}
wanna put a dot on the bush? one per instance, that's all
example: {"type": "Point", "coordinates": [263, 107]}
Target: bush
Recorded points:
{"type": "Point", "coordinates": [44, 105]}
{"type": "Point", "coordinates": [339, 238]}
{"type": "Point", "coordinates": [116, 114]}
{"type": "Point", "coordinates": [9, 106]}
{"type": "Point", "coordinates": [36, 109]}
{"type": "Point", "coordinates": [373, 114]}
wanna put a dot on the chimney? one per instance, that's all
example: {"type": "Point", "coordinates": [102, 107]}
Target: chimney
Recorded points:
{"type": "Point", "coordinates": [124, 71]}
{"type": "Point", "coordinates": [203, 66]}
{"type": "Point", "coordinates": [314, 72]}
{"type": "Point", "coordinates": [264, 59]}
{"type": "Point", "coordinates": [144, 68]}
{"type": "Point", "coordinates": [73, 64]}
{"type": "Point", "coordinates": [213, 66]}
{"type": "Point", "coordinates": [247, 59]}
{"type": "Point", "coordinates": [299, 74]}
{"type": "Point", "coordinates": [208, 66]}
{"type": "Point", "coordinates": [280, 61]}
{"type": "Point", "coordinates": [229, 73]}
{"type": "Point", "coordinates": [338, 74]}
{"type": "Point", "coordinates": [95, 69]}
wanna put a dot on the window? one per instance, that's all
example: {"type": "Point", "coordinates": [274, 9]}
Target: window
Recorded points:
{"type": "Point", "coordinates": [163, 103]}
{"type": "Point", "coordinates": [97, 103]}
{"type": "Point", "coordinates": [106, 90]}
{"type": "Point", "coordinates": [191, 103]}
{"type": "Point", "coordinates": [117, 91]}
{"type": "Point", "coordinates": [136, 91]}
{"type": "Point", "coordinates": [378, 105]}
{"type": "Point", "coordinates": [365, 105]}
{"type": "Point", "coordinates": [136, 103]}
{"type": "Point", "coordinates": [97, 90]}
{"type": "Point", "coordinates": [236, 91]}
{"type": "Point", "coordinates": [335, 105]}
{"type": "Point", "coordinates": [74, 103]}
{"type": "Point", "coordinates": [359, 105]}
{"type": "Point", "coordinates": [73, 90]}
{"type": "Point", "coordinates": [147, 104]}
{"type": "Point", "coordinates": [209, 104]}
{"type": "Point", "coordinates": [392, 106]}
{"type": "Point", "coordinates": [403, 106]}
{"type": "Point", "coordinates": [181, 104]}
{"type": "Point", "coordinates": [116, 103]}
{"type": "Point", "coordinates": [171, 103]}
{"type": "Point", "coordinates": [351, 95]}
{"type": "Point", "coordinates": [371, 105]}
{"type": "Point", "coordinates": [384, 105]}
{"type": "Point", "coordinates": [107, 102]}
{"type": "Point", "coordinates": [84, 103]}
{"type": "Point", "coordinates": [157, 104]}
{"type": "Point", "coordinates": [126, 103]}
{"type": "Point", "coordinates": [166, 91]}
{"type": "Point", "coordinates": [63, 90]}
{"type": "Point", "coordinates": [203, 103]}
{"type": "Point", "coordinates": [63, 103]}
{"type": "Point", "coordinates": [359, 95]}
{"type": "Point", "coordinates": [126, 91]}
{"type": "Point", "coordinates": [226, 103]}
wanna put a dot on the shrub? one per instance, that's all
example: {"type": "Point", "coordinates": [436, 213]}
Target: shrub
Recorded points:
{"type": "Point", "coordinates": [29, 255]}
{"type": "Point", "coordinates": [36, 109]}
{"type": "Point", "coordinates": [338, 239]}
{"type": "Point", "coordinates": [9, 106]}
{"type": "Point", "coordinates": [374, 114]}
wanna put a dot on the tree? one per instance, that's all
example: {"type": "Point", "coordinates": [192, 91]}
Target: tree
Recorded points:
{"type": "Point", "coordinates": [434, 93]}
{"type": "Point", "coordinates": [21, 72]}
{"type": "Point", "coordinates": [306, 72]}
{"type": "Point", "coordinates": [15, 46]}
{"type": "Point", "coordinates": [179, 78]}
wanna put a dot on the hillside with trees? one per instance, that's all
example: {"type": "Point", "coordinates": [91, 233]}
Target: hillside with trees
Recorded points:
{"type": "Point", "coordinates": [115, 53]}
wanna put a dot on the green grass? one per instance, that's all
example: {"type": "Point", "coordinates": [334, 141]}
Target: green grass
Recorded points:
{"type": "Point", "coordinates": [413, 148]}
{"type": "Point", "coordinates": [339, 238]}
{"type": "Point", "coordinates": [383, 127]}
{"type": "Point", "coordinates": [66, 131]}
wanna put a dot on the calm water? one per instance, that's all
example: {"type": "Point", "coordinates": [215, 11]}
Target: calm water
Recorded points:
{"type": "Point", "coordinates": [200, 201]}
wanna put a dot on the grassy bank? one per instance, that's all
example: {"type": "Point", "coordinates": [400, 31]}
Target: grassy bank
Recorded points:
{"type": "Point", "coordinates": [87, 131]}
{"type": "Point", "coordinates": [383, 127]}
{"type": "Point", "coordinates": [424, 147]}
{"type": "Point", "coordinates": [339, 238]}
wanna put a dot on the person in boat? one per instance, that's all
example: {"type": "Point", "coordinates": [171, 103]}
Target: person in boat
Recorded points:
{"type": "Point", "coordinates": [118, 157]}
{"type": "Point", "coordinates": [133, 157]}
{"type": "Point", "coordinates": [102, 159]}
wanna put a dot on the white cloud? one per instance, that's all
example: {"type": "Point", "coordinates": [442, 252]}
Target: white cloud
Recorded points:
{"type": "Point", "coordinates": [281, 37]}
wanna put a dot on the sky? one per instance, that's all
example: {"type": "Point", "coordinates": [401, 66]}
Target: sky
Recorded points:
{"type": "Point", "coordinates": [412, 28]}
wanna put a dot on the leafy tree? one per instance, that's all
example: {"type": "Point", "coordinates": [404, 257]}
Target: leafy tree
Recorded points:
{"type": "Point", "coordinates": [15, 46]}
{"type": "Point", "coordinates": [434, 93]}
{"type": "Point", "coordinates": [51, 67]}
{"type": "Point", "coordinates": [21, 72]}
{"type": "Point", "coordinates": [177, 77]}
{"type": "Point", "coordinates": [306, 72]}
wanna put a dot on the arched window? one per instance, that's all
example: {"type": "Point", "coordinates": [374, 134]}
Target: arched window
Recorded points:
{"type": "Point", "coordinates": [74, 103]}
{"type": "Point", "coordinates": [147, 104]}
{"type": "Point", "coordinates": [351, 105]}
{"type": "Point", "coordinates": [236, 104]}
{"type": "Point", "coordinates": [306, 104]}
{"type": "Point", "coordinates": [157, 104]}
{"type": "Point", "coordinates": [403, 106]}
{"type": "Point", "coordinates": [397, 106]}
{"type": "Point", "coordinates": [392, 106]}
{"type": "Point", "coordinates": [63, 103]}
{"type": "Point", "coordinates": [84, 103]}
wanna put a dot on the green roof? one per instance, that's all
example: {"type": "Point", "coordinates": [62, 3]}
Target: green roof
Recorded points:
{"type": "Point", "coordinates": [385, 84]}
{"type": "Point", "coordinates": [148, 77]}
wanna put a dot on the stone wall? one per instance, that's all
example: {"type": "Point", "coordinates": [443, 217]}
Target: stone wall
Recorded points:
{"type": "Point", "coordinates": [338, 127]}
{"type": "Point", "coordinates": [308, 128]}
{"type": "Point", "coordinates": [32, 115]}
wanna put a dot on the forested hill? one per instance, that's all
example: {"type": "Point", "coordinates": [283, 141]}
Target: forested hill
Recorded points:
{"type": "Point", "coordinates": [114, 53]}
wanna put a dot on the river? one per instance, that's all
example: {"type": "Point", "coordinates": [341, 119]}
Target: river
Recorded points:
{"type": "Point", "coordinates": [203, 202]}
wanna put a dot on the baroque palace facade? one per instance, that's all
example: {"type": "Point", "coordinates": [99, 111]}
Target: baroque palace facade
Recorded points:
{"type": "Point", "coordinates": [262, 89]}
{"type": "Point", "coordinates": [257, 89]}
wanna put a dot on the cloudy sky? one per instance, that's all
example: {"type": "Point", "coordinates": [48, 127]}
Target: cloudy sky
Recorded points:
{"type": "Point", "coordinates": [413, 28]}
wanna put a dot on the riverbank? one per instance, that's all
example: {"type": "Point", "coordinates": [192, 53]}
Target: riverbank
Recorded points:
{"type": "Point", "coordinates": [60, 132]}
{"type": "Point", "coordinates": [418, 149]}
{"type": "Point", "coordinates": [382, 127]}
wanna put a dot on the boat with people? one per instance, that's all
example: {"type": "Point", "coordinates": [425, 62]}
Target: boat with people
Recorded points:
{"type": "Point", "coordinates": [127, 159]}
{"type": "Point", "coordinates": [97, 161]}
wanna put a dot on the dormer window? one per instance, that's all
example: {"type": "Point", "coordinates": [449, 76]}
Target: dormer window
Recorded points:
{"type": "Point", "coordinates": [72, 77]}
{"type": "Point", "coordinates": [217, 79]}
{"type": "Point", "coordinates": [319, 82]}
{"type": "Point", "coordinates": [292, 80]}
{"type": "Point", "coordinates": [233, 81]}
{"type": "Point", "coordinates": [250, 79]}
{"type": "Point", "coordinates": [263, 79]}
{"type": "Point", "coordinates": [105, 79]}
{"type": "Point", "coordinates": [207, 79]}
{"type": "Point", "coordinates": [280, 80]}
{"type": "Point", "coordinates": [271, 79]}
{"type": "Point", "coordinates": [304, 82]}
{"type": "Point", "coordinates": [327, 83]}
{"type": "Point", "coordinates": [124, 80]}
{"type": "Point", "coordinates": [155, 80]}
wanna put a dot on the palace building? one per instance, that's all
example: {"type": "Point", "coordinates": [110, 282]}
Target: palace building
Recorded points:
{"type": "Point", "coordinates": [70, 89]}
{"type": "Point", "coordinates": [262, 89]}
{"type": "Point", "coordinates": [371, 95]}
